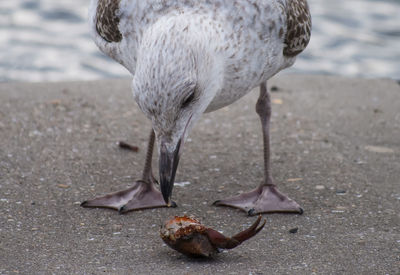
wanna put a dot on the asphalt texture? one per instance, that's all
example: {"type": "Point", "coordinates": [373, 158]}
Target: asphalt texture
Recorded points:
{"type": "Point", "coordinates": [335, 150]}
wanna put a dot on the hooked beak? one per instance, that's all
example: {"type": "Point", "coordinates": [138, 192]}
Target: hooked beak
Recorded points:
{"type": "Point", "coordinates": [168, 165]}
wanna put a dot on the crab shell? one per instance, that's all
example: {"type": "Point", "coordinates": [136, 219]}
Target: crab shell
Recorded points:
{"type": "Point", "coordinates": [188, 236]}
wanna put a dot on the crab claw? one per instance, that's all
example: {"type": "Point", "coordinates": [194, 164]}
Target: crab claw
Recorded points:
{"type": "Point", "coordinates": [190, 237]}
{"type": "Point", "coordinates": [222, 242]}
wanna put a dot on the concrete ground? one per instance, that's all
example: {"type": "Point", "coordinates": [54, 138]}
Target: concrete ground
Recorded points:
{"type": "Point", "coordinates": [335, 150]}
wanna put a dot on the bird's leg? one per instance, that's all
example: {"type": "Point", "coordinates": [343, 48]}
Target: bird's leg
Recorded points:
{"type": "Point", "coordinates": [141, 195]}
{"type": "Point", "coordinates": [266, 198]}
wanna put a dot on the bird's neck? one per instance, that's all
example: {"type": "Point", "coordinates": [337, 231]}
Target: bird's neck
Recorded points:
{"type": "Point", "coordinates": [186, 46]}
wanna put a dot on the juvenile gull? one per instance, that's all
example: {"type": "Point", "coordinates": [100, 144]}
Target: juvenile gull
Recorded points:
{"type": "Point", "coordinates": [188, 57]}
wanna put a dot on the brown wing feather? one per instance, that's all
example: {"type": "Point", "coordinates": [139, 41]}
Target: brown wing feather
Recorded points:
{"type": "Point", "coordinates": [298, 30]}
{"type": "Point", "coordinates": [107, 20]}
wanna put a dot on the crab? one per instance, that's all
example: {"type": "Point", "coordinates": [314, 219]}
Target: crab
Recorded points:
{"type": "Point", "coordinates": [188, 236]}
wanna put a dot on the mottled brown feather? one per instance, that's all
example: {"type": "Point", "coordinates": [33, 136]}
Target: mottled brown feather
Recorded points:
{"type": "Point", "coordinates": [107, 20]}
{"type": "Point", "coordinates": [298, 30]}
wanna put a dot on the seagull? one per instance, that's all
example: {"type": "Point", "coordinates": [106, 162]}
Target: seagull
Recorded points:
{"type": "Point", "coordinates": [189, 57]}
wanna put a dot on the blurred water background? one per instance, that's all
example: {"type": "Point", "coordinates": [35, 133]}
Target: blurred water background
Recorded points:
{"type": "Point", "coordinates": [47, 40]}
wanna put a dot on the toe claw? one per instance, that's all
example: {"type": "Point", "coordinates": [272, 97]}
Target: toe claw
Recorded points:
{"type": "Point", "coordinates": [173, 204]}
{"type": "Point", "coordinates": [121, 209]}
{"type": "Point", "coordinates": [301, 211]}
{"type": "Point", "coordinates": [83, 203]}
{"type": "Point", "coordinates": [251, 212]}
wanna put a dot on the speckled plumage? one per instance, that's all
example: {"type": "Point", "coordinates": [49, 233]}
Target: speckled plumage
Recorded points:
{"type": "Point", "coordinates": [107, 20]}
{"type": "Point", "coordinates": [220, 48]}
{"type": "Point", "coordinates": [298, 21]}
{"type": "Point", "coordinates": [188, 57]}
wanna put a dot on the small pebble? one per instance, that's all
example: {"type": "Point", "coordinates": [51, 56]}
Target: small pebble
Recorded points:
{"type": "Point", "coordinates": [117, 227]}
{"type": "Point", "coordinates": [63, 186]}
{"type": "Point", "coordinates": [294, 179]}
{"type": "Point", "coordinates": [379, 149]}
{"type": "Point", "coordinates": [274, 89]}
{"type": "Point", "coordinates": [181, 184]}
{"type": "Point", "coordinates": [127, 146]}
{"type": "Point", "coordinates": [294, 230]}
{"type": "Point", "coordinates": [277, 101]}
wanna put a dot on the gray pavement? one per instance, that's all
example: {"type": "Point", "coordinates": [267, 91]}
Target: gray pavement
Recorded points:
{"type": "Point", "coordinates": [335, 150]}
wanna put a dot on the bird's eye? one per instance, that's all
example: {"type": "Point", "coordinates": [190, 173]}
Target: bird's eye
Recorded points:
{"type": "Point", "coordinates": [187, 101]}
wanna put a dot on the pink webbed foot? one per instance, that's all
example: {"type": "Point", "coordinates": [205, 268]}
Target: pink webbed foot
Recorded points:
{"type": "Point", "coordinates": [141, 195]}
{"type": "Point", "coordinates": [263, 199]}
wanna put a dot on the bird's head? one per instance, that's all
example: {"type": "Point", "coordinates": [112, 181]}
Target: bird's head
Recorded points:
{"type": "Point", "coordinates": [173, 85]}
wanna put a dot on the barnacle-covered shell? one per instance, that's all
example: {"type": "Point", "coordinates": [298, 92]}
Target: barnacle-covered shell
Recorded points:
{"type": "Point", "coordinates": [187, 235]}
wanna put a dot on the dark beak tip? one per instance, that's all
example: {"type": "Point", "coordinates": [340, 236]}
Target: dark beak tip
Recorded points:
{"type": "Point", "coordinates": [168, 166]}
{"type": "Point", "coordinates": [166, 190]}
{"type": "Point", "coordinates": [166, 198]}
